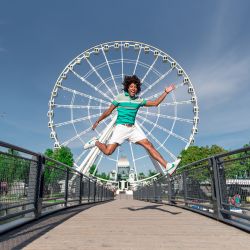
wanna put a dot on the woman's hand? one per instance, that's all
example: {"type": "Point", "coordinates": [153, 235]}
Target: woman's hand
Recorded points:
{"type": "Point", "coordinates": [169, 88]}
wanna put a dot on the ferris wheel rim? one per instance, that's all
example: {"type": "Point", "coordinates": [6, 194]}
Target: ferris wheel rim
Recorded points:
{"type": "Point", "coordinates": [195, 102]}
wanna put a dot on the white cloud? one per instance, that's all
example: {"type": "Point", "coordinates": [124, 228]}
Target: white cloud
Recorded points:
{"type": "Point", "coordinates": [222, 84]}
{"type": "Point", "coordinates": [221, 81]}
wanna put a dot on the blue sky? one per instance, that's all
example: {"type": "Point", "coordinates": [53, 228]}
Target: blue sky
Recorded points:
{"type": "Point", "coordinates": [210, 39]}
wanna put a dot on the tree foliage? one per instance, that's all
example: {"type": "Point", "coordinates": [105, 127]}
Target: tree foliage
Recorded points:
{"type": "Point", "coordinates": [62, 154]}
{"type": "Point", "coordinates": [13, 168]}
{"type": "Point", "coordinates": [53, 171]}
{"type": "Point", "coordinates": [239, 167]}
{"type": "Point", "coordinates": [151, 173]}
{"type": "Point", "coordinates": [195, 153]}
{"type": "Point", "coordinates": [141, 176]}
{"type": "Point", "coordinates": [92, 169]}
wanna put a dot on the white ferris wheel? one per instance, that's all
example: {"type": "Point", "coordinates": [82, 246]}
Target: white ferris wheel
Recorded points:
{"type": "Point", "coordinates": [88, 84]}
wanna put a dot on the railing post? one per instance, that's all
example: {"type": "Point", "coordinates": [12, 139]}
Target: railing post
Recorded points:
{"type": "Point", "coordinates": [66, 188]}
{"type": "Point", "coordinates": [184, 178]}
{"type": "Point", "coordinates": [36, 183]}
{"type": "Point", "coordinates": [102, 193]}
{"type": "Point", "coordinates": [216, 188]}
{"type": "Point", "coordinates": [81, 189]}
{"type": "Point", "coordinates": [89, 190]}
{"type": "Point", "coordinates": [222, 188]}
{"type": "Point", "coordinates": [160, 192]}
{"type": "Point", "coordinates": [155, 191]}
{"type": "Point", "coordinates": [147, 195]}
{"type": "Point", "coordinates": [95, 190]}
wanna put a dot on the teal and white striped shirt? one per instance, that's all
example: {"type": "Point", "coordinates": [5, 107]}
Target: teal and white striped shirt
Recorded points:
{"type": "Point", "coordinates": [127, 107]}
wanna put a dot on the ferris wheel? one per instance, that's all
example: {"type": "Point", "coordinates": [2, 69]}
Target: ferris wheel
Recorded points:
{"type": "Point", "coordinates": [89, 83]}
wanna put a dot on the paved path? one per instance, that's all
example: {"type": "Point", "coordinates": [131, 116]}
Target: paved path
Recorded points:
{"type": "Point", "coordinates": [130, 224]}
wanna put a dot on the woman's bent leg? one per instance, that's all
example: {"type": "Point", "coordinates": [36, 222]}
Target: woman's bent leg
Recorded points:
{"type": "Point", "coordinates": [106, 149]}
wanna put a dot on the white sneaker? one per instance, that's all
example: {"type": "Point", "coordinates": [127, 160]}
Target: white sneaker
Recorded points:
{"type": "Point", "coordinates": [90, 143]}
{"type": "Point", "coordinates": [171, 167]}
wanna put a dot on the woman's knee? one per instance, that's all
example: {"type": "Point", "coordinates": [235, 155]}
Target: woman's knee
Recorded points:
{"type": "Point", "coordinates": [110, 150]}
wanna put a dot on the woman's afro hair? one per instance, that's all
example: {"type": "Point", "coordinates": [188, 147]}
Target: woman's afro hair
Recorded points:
{"type": "Point", "coordinates": [131, 79]}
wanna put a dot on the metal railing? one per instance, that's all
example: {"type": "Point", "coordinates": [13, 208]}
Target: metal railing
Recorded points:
{"type": "Point", "coordinates": [218, 187]}
{"type": "Point", "coordinates": [32, 185]}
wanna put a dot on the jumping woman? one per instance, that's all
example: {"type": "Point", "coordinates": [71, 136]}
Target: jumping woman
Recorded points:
{"type": "Point", "coordinates": [128, 104]}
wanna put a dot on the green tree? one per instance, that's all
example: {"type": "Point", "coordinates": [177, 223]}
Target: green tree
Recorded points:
{"type": "Point", "coordinates": [151, 173]}
{"type": "Point", "coordinates": [49, 152]}
{"type": "Point", "coordinates": [141, 176]}
{"type": "Point", "coordinates": [195, 153]}
{"type": "Point", "coordinates": [13, 168]}
{"type": "Point", "coordinates": [63, 155]}
{"type": "Point", "coordinates": [92, 169]}
{"type": "Point", "coordinates": [103, 176]}
{"type": "Point", "coordinates": [239, 167]}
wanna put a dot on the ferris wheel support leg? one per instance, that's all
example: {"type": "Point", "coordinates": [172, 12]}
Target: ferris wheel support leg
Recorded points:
{"type": "Point", "coordinates": [94, 152]}
{"type": "Point", "coordinates": [156, 164]}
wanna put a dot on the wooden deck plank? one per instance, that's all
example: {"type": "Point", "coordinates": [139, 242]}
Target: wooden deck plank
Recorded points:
{"type": "Point", "coordinates": [130, 224]}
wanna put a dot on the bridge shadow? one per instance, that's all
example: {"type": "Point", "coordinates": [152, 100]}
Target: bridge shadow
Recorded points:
{"type": "Point", "coordinates": [20, 237]}
{"type": "Point", "coordinates": [150, 207]}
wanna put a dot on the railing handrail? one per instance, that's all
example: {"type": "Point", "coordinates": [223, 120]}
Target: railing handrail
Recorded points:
{"type": "Point", "coordinates": [236, 151]}
{"type": "Point", "coordinates": [186, 188]}
{"type": "Point", "coordinates": [32, 187]}
{"type": "Point", "coordinates": [17, 148]}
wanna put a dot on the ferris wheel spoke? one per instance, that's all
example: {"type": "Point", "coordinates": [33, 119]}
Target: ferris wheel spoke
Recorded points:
{"type": "Point", "coordinates": [97, 164]}
{"type": "Point", "coordinates": [153, 96]}
{"type": "Point", "coordinates": [122, 60]}
{"type": "Point", "coordinates": [99, 66]}
{"type": "Point", "coordinates": [141, 157]}
{"type": "Point", "coordinates": [137, 60]}
{"type": "Point", "coordinates": [175, 103]}
{"type": "Point", "coordinates": [79, 157]}
{"type": "Point", "coordinates": [166, 116]}
{"type": "Point", "coordinates": [79, 106]}
{"type": "Point", "coordinates": [75, 120]}
{"type": "Point", "coordinates": [167, 103]}
{"type": "Point", "coordinates": [110, 71]}
{"type": "Point", "coordinates": [84, 95]}
{"type": "Point", "coordinates": [71, 114]}
{"type": "Point", "coordinates": [163, 129]}
{"type": "Point", "coordinates": [112, 159]}
{"type": "Point", "coordinates": [90, 64]}
{"type": "Point", "coordinates": [157, 81]}
{"type": "Point", "coordinates": [178, 85]}
{"type": "Point", "coordinates": [150, 68]}
{"type": "Point", "coordinates": [83, 79]}
{"type": "Point", "coordinates": [144, 119]}
{"type": "Point", "coordinates": [65, 143]}
{"type": "Point", "coordinates": [159, 143]}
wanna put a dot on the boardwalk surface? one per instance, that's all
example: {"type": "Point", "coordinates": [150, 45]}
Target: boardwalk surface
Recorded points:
{"type": "Point", "coordinates": [130, 224]}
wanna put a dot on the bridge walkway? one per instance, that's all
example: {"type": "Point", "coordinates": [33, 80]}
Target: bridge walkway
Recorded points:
{"type": "Point", "coordinates": [131, 224]}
